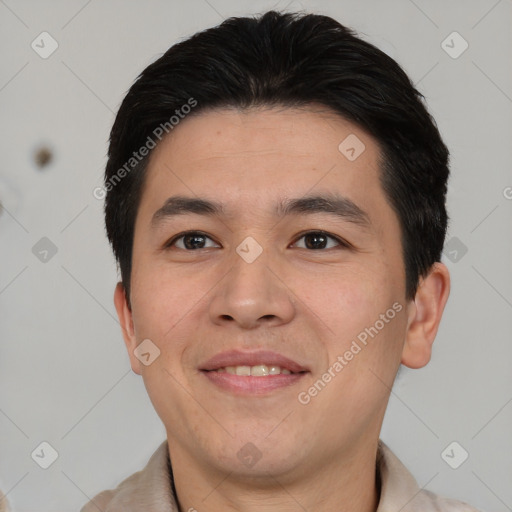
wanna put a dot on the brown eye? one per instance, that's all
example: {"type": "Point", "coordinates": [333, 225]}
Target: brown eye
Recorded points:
{"type": "Point", "coordinates": [190, 241]}
{"type": "Point", "coordinates": [319, 240]}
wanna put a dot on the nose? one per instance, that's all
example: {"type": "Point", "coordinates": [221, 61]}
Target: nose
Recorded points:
{"type": "Point", "coordinates": [253, 294]}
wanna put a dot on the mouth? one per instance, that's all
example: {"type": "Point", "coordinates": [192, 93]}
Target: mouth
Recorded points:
{"type": "Point", "coordinates": [252, 372]}
{"type": "Point", "coordinates": [260, 370]}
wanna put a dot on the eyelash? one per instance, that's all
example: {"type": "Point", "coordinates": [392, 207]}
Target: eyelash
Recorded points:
{"type": "Point", "coordinates": [342, 243]}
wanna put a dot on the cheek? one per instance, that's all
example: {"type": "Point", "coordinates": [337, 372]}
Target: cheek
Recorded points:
{"type": "Point", "coordinates": [161, 301]}
{"type": "Point", "coordinates": [345, 300]}
{"type": "Point", "coordinates": [357, 321]}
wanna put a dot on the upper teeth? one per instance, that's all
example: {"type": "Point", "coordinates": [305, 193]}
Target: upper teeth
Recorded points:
{"type": "Point", "coordinates": [260, 370]}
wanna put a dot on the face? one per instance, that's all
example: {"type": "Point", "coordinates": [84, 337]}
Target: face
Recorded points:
{"type": "Point", "coordinates": [311, 291]}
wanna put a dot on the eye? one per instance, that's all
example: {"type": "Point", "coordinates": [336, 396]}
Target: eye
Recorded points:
{"type": "Point", "coordinates": [189, 241]}
{"type": "Point", "coordinates": [194, 240]}
{"type": "Point", "coordinates": [319, 240]}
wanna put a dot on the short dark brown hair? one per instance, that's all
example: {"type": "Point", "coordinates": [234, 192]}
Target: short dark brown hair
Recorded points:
{"type": "Point", "coordinates": [290, 60]}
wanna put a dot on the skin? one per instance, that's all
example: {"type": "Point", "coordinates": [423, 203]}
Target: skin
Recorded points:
{"type": "Point", "coordinates": [308, 304]}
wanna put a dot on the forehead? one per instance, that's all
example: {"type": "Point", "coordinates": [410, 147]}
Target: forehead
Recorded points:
{"type": "Point", "coordinates": [304, 131]}
{"type": "Point", "coordinates": [256, 142]}
{"type": "Point", "coordinates": [252, 161]}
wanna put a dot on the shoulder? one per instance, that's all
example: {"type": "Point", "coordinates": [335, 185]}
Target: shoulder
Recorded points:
{"type": "Point", "coordinates": [4, 505]}
{"type": "Point", "coordinates": [400, 491]}
{"type": "Point", "coordinates": [441, 504]}
{"type": "Point", "coordinates": [146, 488]}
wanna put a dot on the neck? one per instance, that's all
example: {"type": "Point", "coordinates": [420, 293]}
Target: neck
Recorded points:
{"type": "Point", "coordinates": [345, 483]}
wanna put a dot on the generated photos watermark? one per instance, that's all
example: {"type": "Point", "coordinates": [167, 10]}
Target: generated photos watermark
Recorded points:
{"type": "Point", "coordinates": [305, 397]}
{"type": "Point", "coordinates": [137, 156]}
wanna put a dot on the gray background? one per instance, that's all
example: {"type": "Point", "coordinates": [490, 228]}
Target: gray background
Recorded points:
{"type": "Point", "coordinates": [65, 377]}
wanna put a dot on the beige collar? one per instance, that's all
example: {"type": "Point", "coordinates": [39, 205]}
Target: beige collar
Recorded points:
{"type": "Point", "coordinates": [151, 489]}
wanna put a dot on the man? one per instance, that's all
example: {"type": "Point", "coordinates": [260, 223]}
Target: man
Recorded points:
{"type": "Point", "coordinates": [275, 199]}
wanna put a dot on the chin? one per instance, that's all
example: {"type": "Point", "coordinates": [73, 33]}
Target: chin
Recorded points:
{"type": "Point", "coordinates": [256, 457]}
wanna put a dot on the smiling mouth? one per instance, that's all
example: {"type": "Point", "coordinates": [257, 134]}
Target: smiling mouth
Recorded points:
{"type": "Point", "coordinates": [255, 380]}
{"type": "Point", "coordinates": [260, 370]}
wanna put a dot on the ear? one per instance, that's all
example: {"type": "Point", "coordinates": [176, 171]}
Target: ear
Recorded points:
{"type": "Point", "coordinates": [124, 314]}
{"type": "Point", "coordinates": [424, 316]}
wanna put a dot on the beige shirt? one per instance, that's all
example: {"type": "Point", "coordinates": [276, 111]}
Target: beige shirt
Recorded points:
{"type": "Point", "coordinates": [150, 490]}
{"type": "Point", "coordinates": [4, 506]}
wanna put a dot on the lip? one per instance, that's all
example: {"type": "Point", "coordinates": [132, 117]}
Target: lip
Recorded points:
{"type": "Point", "coordinates": [239, 358]}
{"type": "Point", "coordinates": [252, 385]}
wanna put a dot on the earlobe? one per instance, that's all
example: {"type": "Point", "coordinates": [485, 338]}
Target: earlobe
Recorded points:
{"type": "Point", "coordinates": [125, 316]}
{"type": "Point", "coordinates": [425, 313]}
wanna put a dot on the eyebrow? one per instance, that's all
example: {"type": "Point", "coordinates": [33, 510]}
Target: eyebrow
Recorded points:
{"type": "Point", "coordinates": [334, 204]}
